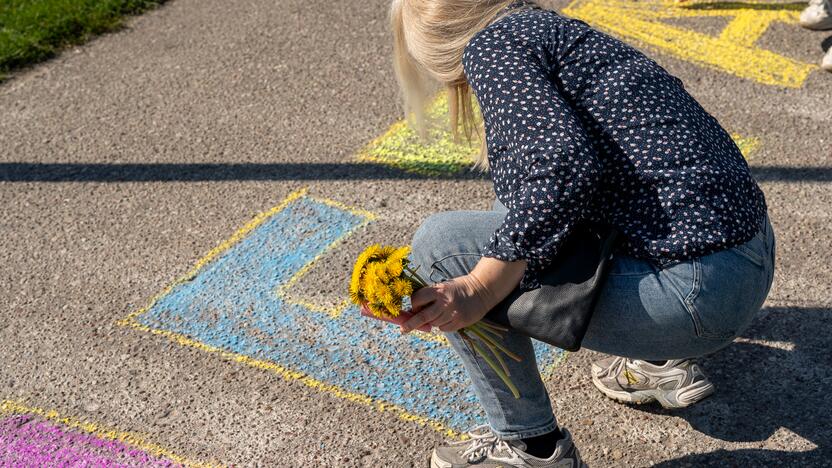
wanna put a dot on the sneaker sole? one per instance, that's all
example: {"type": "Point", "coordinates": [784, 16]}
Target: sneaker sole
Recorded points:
{"type": "Point", "coordinates": [672, 399]}
{"type": "Point", "coordinates": [435, 462]}
{"type": "Point", "coordinates": [822, 26]}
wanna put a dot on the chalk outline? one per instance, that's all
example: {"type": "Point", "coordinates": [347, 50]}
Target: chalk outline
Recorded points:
{"type": "Point", "coordinates": [282, 290]}
{"type": "Point", "coordinates": [747, 145]}
{"type": "Point", "coordinates": [644, 27]}
{"type": "Point", "coordinates": [437, 111]}
{"type": "Point", "coordinates": [285, 373]}
{"type": "Point", "coordinates": [12, 407]}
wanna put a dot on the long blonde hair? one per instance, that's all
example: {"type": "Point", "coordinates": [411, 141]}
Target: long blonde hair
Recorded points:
{"type": "Point", "coordinates": [429, 37]}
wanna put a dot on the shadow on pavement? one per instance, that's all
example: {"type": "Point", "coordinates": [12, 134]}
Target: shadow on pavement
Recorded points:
{"type": "Point", "coordinates": [762, 388]}
{"type": "Point", "coordinates": [752, 458]}
{"type": "Point", "coordinates": [218, 172]}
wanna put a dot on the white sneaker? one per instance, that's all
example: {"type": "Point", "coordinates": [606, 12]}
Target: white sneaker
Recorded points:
{"type": "Point", "coordinates": [484, 449]}
{"type": "Point", "coordinates": [675, 384]}
{"type": "Point", "coordinates": [826, 64]}
{"type": "Point", "coordinates": [818, 15]}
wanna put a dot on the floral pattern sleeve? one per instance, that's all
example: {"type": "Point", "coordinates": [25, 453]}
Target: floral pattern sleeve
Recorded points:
{"type": "Point", "coordinates": [544, 166]}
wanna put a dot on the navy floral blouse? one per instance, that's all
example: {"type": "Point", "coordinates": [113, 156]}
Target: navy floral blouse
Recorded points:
{"type": "Point", "coordinates": [582, 127]}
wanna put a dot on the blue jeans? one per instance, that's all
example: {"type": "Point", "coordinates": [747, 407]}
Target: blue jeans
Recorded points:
{"type": "Point", "coordinates": [646, 311]}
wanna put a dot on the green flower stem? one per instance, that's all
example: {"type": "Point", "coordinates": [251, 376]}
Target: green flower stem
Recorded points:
{"type": "Point", "coordinates": [498, 345]}
{"type": "Point", "coordinates": [490, 331]}
{"type": "Point", "coordinates": [415, 282]}
{"type": "Point", "coordinates": [415, 276]}
{"type": "Point", "coordinates": [497, 370]}
{"type": "Point", "coordinates": [496, 354]}
{"type": "Point", "coordinates": [492, 325]}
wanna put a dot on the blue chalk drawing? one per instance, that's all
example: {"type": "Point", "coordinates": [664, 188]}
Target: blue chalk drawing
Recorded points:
{"type": "Point", "coordinates": [231, 304]}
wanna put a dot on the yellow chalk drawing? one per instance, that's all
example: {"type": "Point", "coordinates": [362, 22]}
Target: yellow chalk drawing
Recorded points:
{"type": "Point", "coordinates": [400, 147]}
{"type": "Point", "coordinates": [733, 51]}
{"type": "Point", "coordinates": [747, 145]}
{"type": "Point", "coordinates": [333, 311]}
{"type": "Point", "coordinates": [285, 373]}
{"type": "Point", "coordinates": [11, 407]}
{"type": "Point", "coordinates": [290, 375]}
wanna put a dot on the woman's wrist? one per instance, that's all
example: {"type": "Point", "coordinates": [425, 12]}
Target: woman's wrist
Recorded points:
{"type": "Point", "coordinates": [495, 279]}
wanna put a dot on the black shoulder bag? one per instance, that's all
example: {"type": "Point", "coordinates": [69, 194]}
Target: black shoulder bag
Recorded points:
{"type": "Point", "coordinates": [559, 311]}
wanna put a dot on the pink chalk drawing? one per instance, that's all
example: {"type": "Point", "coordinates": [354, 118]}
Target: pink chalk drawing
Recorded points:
{"type": "Point", "coordinates": [27, 441]}
{"type": "Point", "coordinates": [31, 436]}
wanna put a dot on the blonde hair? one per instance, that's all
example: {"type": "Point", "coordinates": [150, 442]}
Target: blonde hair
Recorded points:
{"type": "Point", "coordinates": [429, 37]}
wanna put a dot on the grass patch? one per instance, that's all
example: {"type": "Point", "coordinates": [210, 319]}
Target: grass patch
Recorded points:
{"type": "Point", "coordinates": [35, 30]}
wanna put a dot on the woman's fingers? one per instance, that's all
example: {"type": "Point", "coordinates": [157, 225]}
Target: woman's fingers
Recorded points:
{"type": "Point", "coordinates": [451, 326]}
{"type": "Point", "coordinates": [403, 317]}
{"type": "Point", "coordinates": [423, 317]}
{"type": "Point", "coordinates": [422, 297]}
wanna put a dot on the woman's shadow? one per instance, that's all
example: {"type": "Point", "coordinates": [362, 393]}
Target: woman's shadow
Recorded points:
{"type": "Point", "coordinates": [779, 376]}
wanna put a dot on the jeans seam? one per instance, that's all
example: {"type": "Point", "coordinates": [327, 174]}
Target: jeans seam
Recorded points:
{"type": "Point", "coordinates": [692, 295]}
{"type": "Point", "coordinates": [749, 254]}
{"type": "Point", "coordinates": [690, 305]}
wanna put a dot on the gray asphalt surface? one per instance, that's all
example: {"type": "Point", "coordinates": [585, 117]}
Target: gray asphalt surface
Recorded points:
{"type": "Point", "coordinates": [282, 96]}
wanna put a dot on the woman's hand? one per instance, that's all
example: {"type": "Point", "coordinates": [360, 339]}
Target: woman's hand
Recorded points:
{"type": "Point", "coordinates": [461, 301]}
{"type": "Point", "coordinates": [403, 316]}
{"type": "Point", "coordinates": [466, 299]}
{"type": "Point", "coordinates": [449, 306]}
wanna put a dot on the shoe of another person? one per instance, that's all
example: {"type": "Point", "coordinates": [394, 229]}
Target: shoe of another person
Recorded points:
{"type": "Point", "coordinates": [676, 384]}
{"type": "Point", "coordinates": [485, 450]}
{"type": "Point", "coordinates": [826, 64]}
{"type": "Point", "coordinates": [818, 15]}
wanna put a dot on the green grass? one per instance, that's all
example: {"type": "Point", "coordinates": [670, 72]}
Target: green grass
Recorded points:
{"type": "Point", "coordinates": [35, 30]}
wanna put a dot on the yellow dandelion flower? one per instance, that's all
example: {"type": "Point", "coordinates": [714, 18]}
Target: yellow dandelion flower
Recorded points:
{"type": "Point", "coordinates": [356, 294]}
{"type": "Point", "coordinates": [400, 254]}
{"type": "Point", "coordinates": [384, 294]}
{"type": "Point", "coordinates": [377, 309]}
{"type": "Point", "coordinates": [401, 287]}
{"type": "Point", "coordinates": [385, 252]}
{"type": "Point", "coordinates": [376, 270]}
{"type": "Point", "coordinates": [394, 308]}
{"type": "Point", "coordinates": [369, 286]}
{"type": "Point", "coordinates": [368, 254]}
{"type": "Point", "coordinates": [393, 269]}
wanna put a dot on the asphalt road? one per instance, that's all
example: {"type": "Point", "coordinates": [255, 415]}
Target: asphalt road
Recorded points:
{"type": "Point", "coordinates": [125, 161]}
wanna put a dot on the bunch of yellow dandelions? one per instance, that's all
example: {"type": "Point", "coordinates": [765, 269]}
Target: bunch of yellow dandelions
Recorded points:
{"type": "Point", "coordinates": [382, 277]}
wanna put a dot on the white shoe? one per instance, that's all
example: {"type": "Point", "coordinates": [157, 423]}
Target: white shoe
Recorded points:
{"type": "Point", "coordinates": [675, 384]}
{"type": "Point", "coordinates": [826, 64]}
{"type": "Point", "coordinates": [484, 449]}
{"type": "Point", "coordinates": [818, 15]}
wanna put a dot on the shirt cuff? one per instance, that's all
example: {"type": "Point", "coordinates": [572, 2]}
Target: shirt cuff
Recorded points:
{"type": "Point", "coordinates": [504, 249]}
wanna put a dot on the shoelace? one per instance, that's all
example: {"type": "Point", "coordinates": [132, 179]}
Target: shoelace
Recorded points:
{"type": "Point", "coordinates": [617, 366]}
{"type": "Point", "coordinates": [483, 445]}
